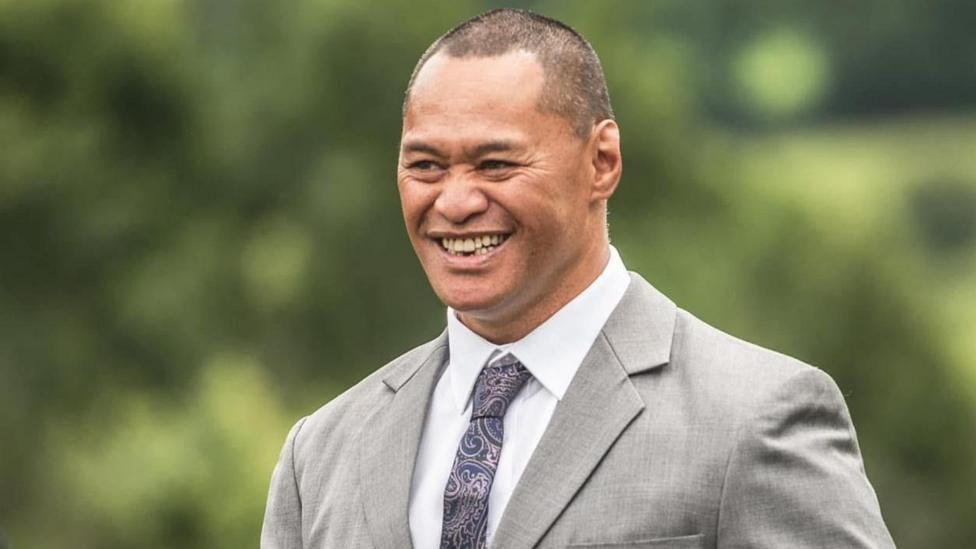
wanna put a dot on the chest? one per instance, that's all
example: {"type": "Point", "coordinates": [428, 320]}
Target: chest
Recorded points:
{"type": "Point", "coordinates": [656, 484]}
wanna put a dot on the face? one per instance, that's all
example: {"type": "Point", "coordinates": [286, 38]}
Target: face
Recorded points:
{"type": "Point", "coordinates": [498, 197]}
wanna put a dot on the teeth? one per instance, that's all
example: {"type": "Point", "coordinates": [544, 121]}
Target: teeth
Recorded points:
{"type": "Point", "coordinates": [479, 245]}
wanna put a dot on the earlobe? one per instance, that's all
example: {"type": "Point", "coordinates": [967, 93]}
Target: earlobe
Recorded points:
{"type": "Point", "coordinates": [607, 160]}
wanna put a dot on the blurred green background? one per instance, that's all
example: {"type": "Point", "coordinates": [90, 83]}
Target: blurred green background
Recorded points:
{"type": "Point", "coordinates": [200, 236]}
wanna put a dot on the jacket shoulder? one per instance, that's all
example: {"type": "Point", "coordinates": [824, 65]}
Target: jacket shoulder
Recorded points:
{"type": "Point", "coordinates": [702, 343]}
{"type": "Point", "coordinates": [733, 376]}
{"type": "Point", "coordinates": [343, 416]}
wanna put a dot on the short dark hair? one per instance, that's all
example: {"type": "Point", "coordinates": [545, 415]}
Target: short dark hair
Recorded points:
{"type": "Point", "coordinates": [574, 87]}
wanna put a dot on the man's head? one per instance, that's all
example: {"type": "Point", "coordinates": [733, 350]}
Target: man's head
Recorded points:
{"type": "Point", "coordinates": [575, 87]}
{"type": "Point", "coordinates": [506, 162]}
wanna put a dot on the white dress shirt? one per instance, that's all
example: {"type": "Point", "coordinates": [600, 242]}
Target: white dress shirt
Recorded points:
{"type": "Point", "coordinates": [552, 353]}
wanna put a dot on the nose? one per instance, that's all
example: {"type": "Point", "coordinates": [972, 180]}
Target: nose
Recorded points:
{"type": "Point", "coordinates": [460, 199]}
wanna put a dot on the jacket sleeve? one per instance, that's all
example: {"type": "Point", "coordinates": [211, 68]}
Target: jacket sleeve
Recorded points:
{"type": "Point", "coordinates": [283, 516]}
{"type": "Point", "coordinates": [795, 477]}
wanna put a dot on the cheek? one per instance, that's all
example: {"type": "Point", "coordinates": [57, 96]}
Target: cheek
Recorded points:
{"type": "Point", "coordinates": [416, 199]}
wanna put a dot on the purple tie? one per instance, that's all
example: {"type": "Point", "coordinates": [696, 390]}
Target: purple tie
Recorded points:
{"type": "Point", "coordinates": [466, 496]}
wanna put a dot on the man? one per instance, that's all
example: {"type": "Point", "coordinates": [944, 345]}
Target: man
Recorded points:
{"type": "Point", "coordinates": [568, 403]}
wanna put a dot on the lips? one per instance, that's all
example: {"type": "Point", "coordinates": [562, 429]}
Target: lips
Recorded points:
{"type": "Point", "coordinates": [473, 244]}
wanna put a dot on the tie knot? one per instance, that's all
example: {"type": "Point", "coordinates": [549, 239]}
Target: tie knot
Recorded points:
{"type": "Point", "coordinates": [497, 385]}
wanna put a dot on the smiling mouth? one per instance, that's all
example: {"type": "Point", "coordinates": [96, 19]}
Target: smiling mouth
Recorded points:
{"type": "Point", "coordinates": [475, 245]}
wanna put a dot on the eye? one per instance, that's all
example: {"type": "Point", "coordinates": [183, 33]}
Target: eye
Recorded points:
{"type": "Point", "coordinates": [495, 165]}
{"type": "Point", "coordinates": [423, 165]}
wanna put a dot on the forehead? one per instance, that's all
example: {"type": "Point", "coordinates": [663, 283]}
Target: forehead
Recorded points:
{"type": "Point", "coordinates": [476, 94]}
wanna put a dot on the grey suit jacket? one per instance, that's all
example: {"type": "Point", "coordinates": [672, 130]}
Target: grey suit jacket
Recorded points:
{"type": "Point", "coordinates": [672, 434]}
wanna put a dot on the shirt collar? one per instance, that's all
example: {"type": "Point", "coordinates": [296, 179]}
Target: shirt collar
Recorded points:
{"type": "Point", "coordinates": [554, 350]}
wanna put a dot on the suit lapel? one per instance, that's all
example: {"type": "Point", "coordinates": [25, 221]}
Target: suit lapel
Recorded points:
{"type": "Point", "coordinates": [598, 406]}
{"type": "Point", "coordinates": [389, 443]}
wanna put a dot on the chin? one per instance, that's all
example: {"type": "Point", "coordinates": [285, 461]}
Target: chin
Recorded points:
{"type": "Point", "coordinates": [470, 298]}
{"type": "Point", "coordinates": [469, 304]}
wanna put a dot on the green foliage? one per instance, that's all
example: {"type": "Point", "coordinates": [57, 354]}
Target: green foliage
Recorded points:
{"type": "Point", "coordinates": [200, 238]}
{"type": "Point", "coordinates": [155, 473]}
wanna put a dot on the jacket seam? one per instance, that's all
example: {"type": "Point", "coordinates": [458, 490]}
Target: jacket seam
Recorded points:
{"type": "Point", "coordinates": [749, 419]}
{"type": "Point", "coordinates": [294, 472]}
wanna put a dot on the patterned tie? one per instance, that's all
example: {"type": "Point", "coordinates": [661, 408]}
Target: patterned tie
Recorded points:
{"type": "Point", "coordinates": [466, 496]}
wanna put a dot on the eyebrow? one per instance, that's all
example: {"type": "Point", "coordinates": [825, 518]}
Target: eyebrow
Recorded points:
{"type": "Point", "coordinates": [421, 147]}
{"type": "Point", "coordinates": [490, 147]}
{"type": "Point", "coordinates": [500, 145]}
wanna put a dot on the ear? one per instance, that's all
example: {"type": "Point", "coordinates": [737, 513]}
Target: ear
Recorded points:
{"type": "Point", "coordinates": [606, 158]}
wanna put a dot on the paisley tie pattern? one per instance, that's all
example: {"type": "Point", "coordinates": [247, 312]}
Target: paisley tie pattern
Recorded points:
{"type": "Point", "coordinates": [466, 496]}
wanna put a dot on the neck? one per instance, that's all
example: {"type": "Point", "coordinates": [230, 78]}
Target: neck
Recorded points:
{"type": "Point", "coordinates": [501, 329]}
